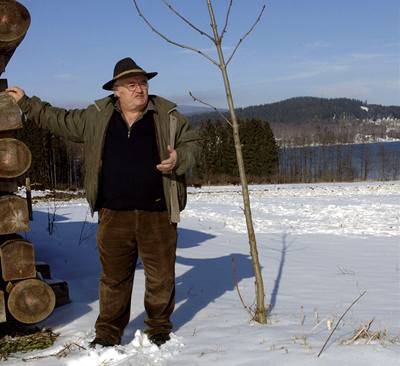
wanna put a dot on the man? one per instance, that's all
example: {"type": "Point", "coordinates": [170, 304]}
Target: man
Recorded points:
{"type": "Point", "coordinates": [137, 148]}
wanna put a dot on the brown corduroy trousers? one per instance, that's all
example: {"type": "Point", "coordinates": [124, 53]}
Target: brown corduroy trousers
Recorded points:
{"type": "Point", "coordinates": [122, 236]}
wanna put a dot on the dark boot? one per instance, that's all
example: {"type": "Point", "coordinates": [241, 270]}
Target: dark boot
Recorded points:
{"type": "Point", "coordinates": [159, 339]}
{"type": "Point", "coordinates": [100, 342]}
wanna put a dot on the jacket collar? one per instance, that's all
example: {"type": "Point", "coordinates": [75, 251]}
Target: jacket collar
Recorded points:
{"type": "Point", "coordinates": [156, 103]}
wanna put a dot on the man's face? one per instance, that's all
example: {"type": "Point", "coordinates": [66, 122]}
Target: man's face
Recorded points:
{"type": "Point", "coordinates": [133, 92]}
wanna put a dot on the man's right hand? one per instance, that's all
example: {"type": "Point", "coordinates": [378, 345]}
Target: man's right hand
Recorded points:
{"type": "Point", "coordinates": [16, 92]}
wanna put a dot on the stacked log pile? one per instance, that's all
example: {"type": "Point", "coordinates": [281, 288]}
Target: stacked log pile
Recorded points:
{"type": "Point", "coordinates": [27, 293]}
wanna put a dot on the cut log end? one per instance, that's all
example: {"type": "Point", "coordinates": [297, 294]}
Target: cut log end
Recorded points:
{"type": "Point", "coordinates": [17, 260]}
{"type": "Point", "coordinates": [31, 301]}
{"type": "Point", "coordinates": [10, 114]}
{"type": "Point", "coordinates": [14, 215]}
{"type": "Point", "coordinates": [15, 158]}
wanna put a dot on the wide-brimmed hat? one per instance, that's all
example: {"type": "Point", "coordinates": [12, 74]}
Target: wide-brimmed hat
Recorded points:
{"type": "Point", "coordinates": [127, 67]}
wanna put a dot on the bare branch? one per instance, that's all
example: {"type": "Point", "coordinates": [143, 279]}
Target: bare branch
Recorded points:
{"type": "Point", "coordinates": [211, 106]}
{"type": "Point", "coordinates": [226, 20]}
{"type": "Point", "coordinates": [330, 335]}
{"type": "Point", "coordinates": [248, 308]}
{"type": "Point", "coordinates": [173, 42]}
{"type": "Point", "coordinates": [243, 38]}
{"type": "Point", "coordinates": [189, 23]}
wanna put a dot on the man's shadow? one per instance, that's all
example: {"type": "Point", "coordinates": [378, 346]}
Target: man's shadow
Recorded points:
{"type": "Point", "coordinates": [70, 251]}
{"type": "Point", "coordinates": [206, 280]}
{"type": "Point", "coordinates": [72, 255]}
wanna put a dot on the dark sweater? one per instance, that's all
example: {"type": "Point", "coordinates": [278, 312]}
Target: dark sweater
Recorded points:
{"type": "Point", "coordinates": [130, 179]}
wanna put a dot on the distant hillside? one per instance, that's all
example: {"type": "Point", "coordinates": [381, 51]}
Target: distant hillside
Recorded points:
{"type": "Point", "coordinates": [309, 109]}
{"type": "Point", "coordinates": [188, 110]}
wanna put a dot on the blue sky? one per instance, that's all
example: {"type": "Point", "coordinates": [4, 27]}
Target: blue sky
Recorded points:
{"type": "Point", "coordinates": [323, 48]}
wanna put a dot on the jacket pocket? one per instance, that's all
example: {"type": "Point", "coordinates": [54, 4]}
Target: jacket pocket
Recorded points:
{"type": "Point", "coordinates": [106, 215]}
{"type": "Point", "coordinates": [181, 188]}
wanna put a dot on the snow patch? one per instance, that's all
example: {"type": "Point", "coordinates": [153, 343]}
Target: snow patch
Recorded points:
{"type": "Point", "coordinates": [140, 351]}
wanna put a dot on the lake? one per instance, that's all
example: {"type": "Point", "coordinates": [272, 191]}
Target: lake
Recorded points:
{"type": "Point", "coordinates": [374, 161]}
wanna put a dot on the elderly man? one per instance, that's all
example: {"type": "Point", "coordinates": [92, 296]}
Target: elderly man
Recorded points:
{"type": "Point", "coordinates": [137, 148]}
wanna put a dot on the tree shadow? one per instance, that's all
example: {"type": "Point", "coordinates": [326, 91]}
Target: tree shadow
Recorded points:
{"type": "Point", "coordinates": [278, 278]}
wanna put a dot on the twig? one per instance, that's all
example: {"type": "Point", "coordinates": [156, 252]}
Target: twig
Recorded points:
{"type": "Point", "coordinates": [82, 228]}
{"type": "Point", "coordinates": [249, 310]}
{"type": "Point", "coordinates": [51, 217]}
{"type": "Point", "coordinates": [303, 317]}
{"type": "Point", "coordinates": [333, 330]}
{"type": "Point", "coordinates": [69, 348]}
{"type": "Point", "coordinates": [246, 34]}
{"type": "Point", "coordinates": [171, 41]}
{"type": "Point", "coordinates": [189, 23]}
{"type": "Point", "coordinates": [211, 106]}
{"type": "Point", "coordinates": [59, 354]}
{"type": "Point", "coordinates": [317, 325]}
{"type": "Point", "coordinates": [345, 271]}
{"type": "Point", "coordinates": [226, 20]}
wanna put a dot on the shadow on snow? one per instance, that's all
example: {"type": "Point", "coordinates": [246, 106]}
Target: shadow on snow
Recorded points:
{"type": "Point", "coordinates": [72, 255]}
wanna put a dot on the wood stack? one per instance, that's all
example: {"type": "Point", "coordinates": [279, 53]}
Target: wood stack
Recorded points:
{"type": "Point", "coordinates": [25, 294]}
{"type": "Point", "coordinates": [22, 296]}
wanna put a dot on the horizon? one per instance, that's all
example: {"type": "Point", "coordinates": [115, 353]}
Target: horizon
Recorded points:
{"type": "Point", "coordinates": [318, 49]}
{"type": "Point", "coordinates": [204, 109]}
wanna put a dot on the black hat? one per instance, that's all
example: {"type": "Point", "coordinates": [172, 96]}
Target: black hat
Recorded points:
{"type": "Point", "coordinates": [127, 67]}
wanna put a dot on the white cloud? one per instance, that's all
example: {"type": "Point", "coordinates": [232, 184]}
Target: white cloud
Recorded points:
{"type": "Point", "coordinates": [366, 56]}
{"type": "Point", "coordinates": [379, 91]}
{"type": "Point", "coordinates": [391, 45]}
{"type": "Point", "coordinates": [311, 69]}
{"type": "Point", "coordinates": [350, 89]}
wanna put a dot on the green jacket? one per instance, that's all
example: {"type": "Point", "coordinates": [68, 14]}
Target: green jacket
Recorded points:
{"type": "Point", "coordinates": [89, 125]}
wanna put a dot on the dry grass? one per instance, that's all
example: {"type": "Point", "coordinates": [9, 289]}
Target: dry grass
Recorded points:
{"type": "Point", "coordinates": [26, 340]}
{"type": "Point", "coordinates": [364, 335]}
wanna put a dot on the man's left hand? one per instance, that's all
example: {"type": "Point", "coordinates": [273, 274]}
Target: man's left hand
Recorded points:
{"type": "Point", "coordinates": [167, 165]}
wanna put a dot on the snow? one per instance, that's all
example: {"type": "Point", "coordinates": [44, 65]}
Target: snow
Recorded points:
{"type": "Point", "coordinates": [320, 246]}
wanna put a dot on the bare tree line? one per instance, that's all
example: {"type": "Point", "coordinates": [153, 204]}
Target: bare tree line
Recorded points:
{"type": "Point", "coordinates": [342, 131]}
{"type": "Point", "coordinates": [338, 163]}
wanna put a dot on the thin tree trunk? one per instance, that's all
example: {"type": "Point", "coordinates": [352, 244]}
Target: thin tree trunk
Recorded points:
{"type": "Point", "coordinates": [260, 313]}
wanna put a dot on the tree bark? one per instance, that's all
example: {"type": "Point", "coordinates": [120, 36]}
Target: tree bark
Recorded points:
{"type": "Point", "coordinates": [260, 313]}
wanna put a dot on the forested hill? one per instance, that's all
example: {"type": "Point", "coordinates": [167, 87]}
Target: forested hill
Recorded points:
{"type": "Point", "coordinates": [309, 109]}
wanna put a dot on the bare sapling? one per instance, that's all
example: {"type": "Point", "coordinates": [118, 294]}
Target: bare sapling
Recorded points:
{"type": "Point", "coordinates": [216, 38]}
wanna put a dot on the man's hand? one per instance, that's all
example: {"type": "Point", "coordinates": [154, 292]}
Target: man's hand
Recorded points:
{"type": "Point", "coordinates": [167, 165]}
{"type": "Point", "coordinates": [16, 92]}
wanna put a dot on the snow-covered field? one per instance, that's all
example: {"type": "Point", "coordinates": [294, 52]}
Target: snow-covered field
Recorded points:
{"type": "Point", "coordinates": [320, 246]}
